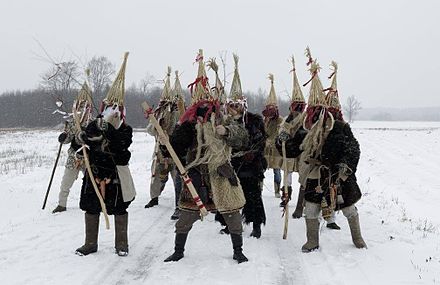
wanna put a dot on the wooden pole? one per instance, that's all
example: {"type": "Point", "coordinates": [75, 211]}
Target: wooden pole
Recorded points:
{"type": "Point", "coordinates": [51, 177]}
{"type": "Point", "coordinates": [186, 179]}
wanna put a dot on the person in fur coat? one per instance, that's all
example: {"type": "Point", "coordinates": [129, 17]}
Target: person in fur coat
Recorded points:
{"type": "Point", "coordinates": [329, 157]}
{"type": "Point", "coordinates": [249, 163]}
{"type": "Point", "coordinates": [203, 141]}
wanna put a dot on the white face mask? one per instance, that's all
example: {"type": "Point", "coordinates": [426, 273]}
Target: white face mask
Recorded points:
{"type": "Point", "coordinates": [113, 116]}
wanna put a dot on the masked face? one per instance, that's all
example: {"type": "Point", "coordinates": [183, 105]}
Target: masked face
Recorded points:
{"type": "Point", "coordinates": [113, 116]}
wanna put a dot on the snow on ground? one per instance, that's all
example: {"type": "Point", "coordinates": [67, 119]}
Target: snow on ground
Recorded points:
{"type": "Point", "coordinates": [398, 174]}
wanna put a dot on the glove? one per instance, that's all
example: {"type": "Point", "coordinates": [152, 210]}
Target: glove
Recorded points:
{"type": "Point", "coordinates": [283, 136]}
{"type": "Point", "coordinates": [62, 137]}
{"type": "Point", "coordinates": [249, 156]}
{"type": "Point", "coordinates": [344, 171]}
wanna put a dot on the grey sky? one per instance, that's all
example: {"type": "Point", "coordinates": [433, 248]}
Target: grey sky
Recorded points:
{"type": "Point", "coordinates": [388, 51]}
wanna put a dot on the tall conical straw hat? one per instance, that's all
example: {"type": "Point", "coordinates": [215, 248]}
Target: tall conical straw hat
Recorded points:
{"type": "Point", "coordinates": [219, 90]}
{"type": "Point", "coordinates": [178, 93]}
{"type": "Point", "coordinates": [272, 98]}
{"type": "Point", "coordinates": [166, 92]}
{"type": "Point", "coordinates": [236, 92]}
{"type": "Point", "coordinates": [85, 94]}
{"type": "Point", "coordinates": [316, 93]}
{"type": "Point", "coordinates": [116, 93]}
{"type": "Point", "coordinates": [200, 88]}
{"type": "Point", "coordinates": [332, 97]}
{"type": "Point", "coordinates": [297, 95]}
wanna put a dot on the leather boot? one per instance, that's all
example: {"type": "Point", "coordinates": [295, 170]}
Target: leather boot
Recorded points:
{"type": "Point", "coordinates": [355, 230]}
{"type": "Point", "coordinates": [176, 214]}
{"type": "Point", "coordinates": [256, 231]}
{"type": "Point", "coordinates": [153, 202]}
{"type": "Point", "coordinates": [237, 243]}
{"type": "Point", "coordinates": [277, 190]}
{"type": "Point", "coordinates": [179, 248]}
{"type": "Point", "coordinates": [312, 243]}
{"type": "Point", "coordinates": [59, 209]}
{"type": "Point", "coordinates": [121, 236]}
{"type": "Point", "coordinates": [298, 213]}
{"type": "Point", "coordinates": [289, 195]}
{"type": "Point", "coordinates": [91, 242]}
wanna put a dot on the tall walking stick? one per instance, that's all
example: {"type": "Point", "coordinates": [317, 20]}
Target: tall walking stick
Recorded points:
{"type": "Point", "coordinates": [51, 177]}
{"type": "Point", "coordinates": [186, 179]}
{"type": "Point", "coordinates": [285, 192]}
{"type": "Point", "coordinates": [89, 169]}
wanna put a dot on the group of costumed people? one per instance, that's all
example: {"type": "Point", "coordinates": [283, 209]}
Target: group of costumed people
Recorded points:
{"type": "Point", "coordinates": [224, 150]}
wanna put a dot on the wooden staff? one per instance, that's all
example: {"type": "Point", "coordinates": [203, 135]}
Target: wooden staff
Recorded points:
{"type": "Point", "coordinates": [89, 170]}
{"type": "Point", "coordinates": [285, 192]}
{"type": "Point", "coordinates": [186, 179]}
{"type": "Point", "coordinates": [51, 177]}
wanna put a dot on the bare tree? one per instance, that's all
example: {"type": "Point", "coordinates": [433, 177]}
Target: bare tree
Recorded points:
{"type": "Point", "coordinates": [100, 71]}
{"type": "Point", "coordinates": [352, 108]}
{"type": "Point", "coordinates": [60, 80]}
{"type": "Point", "coordinates": [145, 83]}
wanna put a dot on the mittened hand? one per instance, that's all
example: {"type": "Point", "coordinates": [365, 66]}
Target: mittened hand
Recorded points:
{"type": "Point", "coordinates": [283, 136]}
{"type": "Point", "coordinates": [344, 171]}
{"type": "Point", "coordinates": [62, 137]}
{"type": "Point", "coordinates": [221, 130]}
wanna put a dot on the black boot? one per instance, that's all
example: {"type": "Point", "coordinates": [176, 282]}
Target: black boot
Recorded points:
{"type": "Point", "coordinates": [153, 202]}
{"type": "Point", "coordinates": [333, 226]}
{"type": "Point", "coordinates": [283, 198]}
{"type": "Point", "coordinates": [179, 248]}
{"type": "Point", "coordinates": [176, 214]}
{"type": "Point", "coordinates": [91, 242]}
{"type": "Point", "coordinates": [59, 209]}
{"type": "Point", "coordinates": [237, 243]}
{"type": "Point", "coordinates": [256, 231]}
{"type": "Point", "coordinates": [121, 238]}
{"type": "Point", "coordinates": [225, 231]}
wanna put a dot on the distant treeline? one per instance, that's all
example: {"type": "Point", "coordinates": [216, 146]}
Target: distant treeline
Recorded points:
{"type": "Point", "coordinates": [34, 108]}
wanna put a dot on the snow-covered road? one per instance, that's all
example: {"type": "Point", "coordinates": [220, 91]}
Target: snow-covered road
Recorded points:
{"type": "Point", "coordinates": [399, 174]}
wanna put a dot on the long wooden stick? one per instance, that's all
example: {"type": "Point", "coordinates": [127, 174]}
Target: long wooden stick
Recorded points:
{"type": "Point", "coordinates": [89, 171]}
{"type": "Point", "coordinates": [286, 192]}
{"type": "Point", "coordinates": [51, 177]}
{"type": "Point", "coordinates": [183, 173]}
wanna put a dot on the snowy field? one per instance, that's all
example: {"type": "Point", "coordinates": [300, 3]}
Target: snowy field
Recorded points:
{"type": "Point", "coordinates": [399, 174]}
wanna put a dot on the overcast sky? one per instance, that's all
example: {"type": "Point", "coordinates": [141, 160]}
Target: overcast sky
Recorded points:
{"type": "Point", "coordinates": [388, 51]}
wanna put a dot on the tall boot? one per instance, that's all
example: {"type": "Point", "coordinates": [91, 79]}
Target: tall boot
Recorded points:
{"type": "Point", "coordinates": [153, 202]}
{"type": "Point", "coordinates": [297, 214]}
{"type": "Point", "coordinates": [289, 195]}
{"type": "Point", "coordinates": [237, 243]}
{"type": "Point", "coordinates": [179, 248]}
{"type": "Point", "coordinates": [121, 237]}
{"type": "Point", "coordinates": [355, 230]}
{"type": "Point", "coordinates": [256, 230]}
{"type": "Point", "coordinates": [91, 242]}
{"type": "Point", "coordinates": [312, 243]}
{"type": "Point", "coordinates": [277, 190]}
